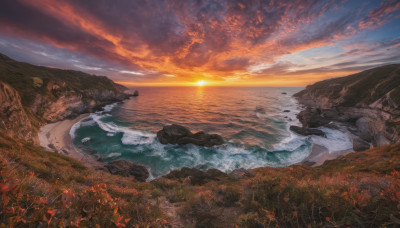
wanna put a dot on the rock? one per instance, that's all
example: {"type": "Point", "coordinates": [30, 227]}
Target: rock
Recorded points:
{"type": "Point", "coordinates": [240, 173]}
{"type": "Point", "coordinates": [215, 174]}
{"type": "Point", "coordinates": [360, 145]}
{"type": "Point", "coordinates": [332, 126]}
{"type": "Point", "coordinates": [359, 99]}
{"type": "Point", "coordinates": [286, 111]}
{"type": "Point", "coordinates": [126, 168]}
{"type": "Point", "coordinates": [171, 133]}
{"type": "Point", "coordinates": [13, 118]}
{"type": "Point", "coordinates": [307, 131]}
{"type": "Point", "coordinates": [311, 118]}
{"type": "Point", "coordinates": [330, 114]}
{"type": "Point", "coordinates": [136, 93]}
{"type": "Point", "coordinates": [202, 139]}
{"type": "Point", "coordinates": [176, 134]}
{"type": "Point", "coordinates": [308, 163]}
{"type": "Point", "coordinates": [196, 176]}
{"type": "Point", "coordinates": [284, 93]}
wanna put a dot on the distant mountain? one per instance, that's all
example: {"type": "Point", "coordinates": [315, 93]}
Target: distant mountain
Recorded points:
{"type": "Point", "coordinates": [37, 95]}
{"type": "Point", "coordinates": [369, 99]}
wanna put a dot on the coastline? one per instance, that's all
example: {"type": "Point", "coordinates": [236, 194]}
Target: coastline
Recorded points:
{"type": "Point", "coordinates": [55, 137]}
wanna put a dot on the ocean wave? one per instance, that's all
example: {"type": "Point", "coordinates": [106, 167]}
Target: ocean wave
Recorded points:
{"type": "Point", "coordinates": [335, 140]}
{"type": "Point", "coordinates": [110, 107]}
{"type": "Point", "coordinates": [76, 126]}
{"type": "Point", "coordinates": [130, 137]}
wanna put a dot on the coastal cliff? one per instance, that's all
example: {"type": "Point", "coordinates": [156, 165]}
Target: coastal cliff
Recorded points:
{"type": "Point", "coordinates": [368, 102]}
{"type": "Point", "coordinates": [33, 95]}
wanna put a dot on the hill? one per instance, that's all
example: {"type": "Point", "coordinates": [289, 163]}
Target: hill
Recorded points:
{"type": "Point", "coordinates": [38, 95]}
{"type": "Point", "coordinates": [369, 100]}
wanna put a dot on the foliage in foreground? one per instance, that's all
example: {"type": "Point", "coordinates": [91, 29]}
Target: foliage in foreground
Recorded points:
{"type": "Point", "coordinates": [358, 190]}
{"type": "Point", "coordinates": [47, 189]}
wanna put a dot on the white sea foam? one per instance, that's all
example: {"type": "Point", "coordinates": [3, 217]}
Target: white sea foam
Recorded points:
{"type": "Point", "coordinates": [113, 155]}
{"type": "Point", "coordinates": [109, 107]}
{"type": "Point", "coordinates": [76, 126]}
{"type": "Point", "coordinates": [130, 137]}
{"type": "Point", "coordinates": [335, 140]}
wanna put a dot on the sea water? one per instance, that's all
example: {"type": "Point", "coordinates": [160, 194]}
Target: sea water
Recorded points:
{"type": "Point", "coordinates": [254, 121]}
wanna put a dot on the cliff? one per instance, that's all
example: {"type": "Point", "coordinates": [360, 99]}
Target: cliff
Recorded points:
{"type": "Point", "coordinates": [368, 101]}
{"type": "Point", "coordinates": [35, 95]}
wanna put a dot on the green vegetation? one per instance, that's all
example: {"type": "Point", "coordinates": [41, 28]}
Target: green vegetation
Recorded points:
{"type": "Point", "coordinates": [45, 188]}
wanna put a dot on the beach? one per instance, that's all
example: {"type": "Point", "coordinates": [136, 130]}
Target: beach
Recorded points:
{"type": "Point", "coordinates": [55, 137]}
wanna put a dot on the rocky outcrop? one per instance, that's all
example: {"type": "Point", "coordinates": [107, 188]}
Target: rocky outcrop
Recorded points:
{"type": "Point", "coordinates": [176, 134]}
{"type": "Point", "coordinates": [126, 168]}
{"type": "Point", "coordinates": [307, 131]}
{"type": "Point", "coordinates": [41, 95]}
{"type": "Point", "coordinates": [240, 174]}
{"type": "Point", "coordinates": [368, 102]}
{"type": "Point", "coordinates": [13, 118]}
{"type": "Point", "coordinates": [70, 103]}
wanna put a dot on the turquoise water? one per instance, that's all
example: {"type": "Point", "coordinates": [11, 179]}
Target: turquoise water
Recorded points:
{"type": "Point", "coordinates": [252, 120]}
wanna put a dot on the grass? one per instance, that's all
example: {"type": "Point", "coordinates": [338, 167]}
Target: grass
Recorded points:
{"type": "Point", "coordinates": [44, 188]}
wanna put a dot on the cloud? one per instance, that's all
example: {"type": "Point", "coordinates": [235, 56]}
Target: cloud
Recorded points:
{"type": "Point", "coordinates": [149, 40]}
{"type": "Point", "coordinates": [380, 15]}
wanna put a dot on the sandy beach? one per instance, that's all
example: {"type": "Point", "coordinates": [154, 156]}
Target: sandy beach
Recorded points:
{"type": "Point", "coordinates": [55, 137]}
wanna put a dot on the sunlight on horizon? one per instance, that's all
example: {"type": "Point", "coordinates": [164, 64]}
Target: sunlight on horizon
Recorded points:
{"type": "Point", "coordinates": [201, 83]}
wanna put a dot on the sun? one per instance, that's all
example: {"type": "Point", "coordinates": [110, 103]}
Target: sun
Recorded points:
{"type": "Point", "coordinates": [201, 83]}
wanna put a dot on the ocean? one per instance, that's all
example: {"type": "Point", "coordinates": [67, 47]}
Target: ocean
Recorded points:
{"type": "Point", "coordinates": [254, 121]}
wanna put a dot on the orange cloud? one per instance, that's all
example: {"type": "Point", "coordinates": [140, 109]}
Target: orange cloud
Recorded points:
{"type": "Point", "coordinates": [218, 41]}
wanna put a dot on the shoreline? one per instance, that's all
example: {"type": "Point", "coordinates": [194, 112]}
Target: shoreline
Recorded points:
{"type": "Point", "coordinates": [55, 137]}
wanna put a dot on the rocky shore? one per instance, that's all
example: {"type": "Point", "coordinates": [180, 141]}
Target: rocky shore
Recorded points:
{"type": "Point", "coordinates": [367, 103]}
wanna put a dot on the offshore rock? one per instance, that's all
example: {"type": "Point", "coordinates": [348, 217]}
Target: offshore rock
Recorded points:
{"type": "Point", "coordinates": [307, 131]}
{"type": "Point", "coordinates": [177, 134]}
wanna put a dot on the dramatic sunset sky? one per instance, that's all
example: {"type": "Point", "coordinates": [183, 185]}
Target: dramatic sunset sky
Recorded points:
{"type": "Point", "coordinates": [219, 42]}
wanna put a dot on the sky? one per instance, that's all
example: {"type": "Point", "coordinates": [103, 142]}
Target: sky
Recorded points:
{"type": "Point", "coordinates": [204, 42]}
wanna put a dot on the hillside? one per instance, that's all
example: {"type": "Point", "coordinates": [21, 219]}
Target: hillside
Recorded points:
{"type": "Point", "coordinates": [46, 95]}
{"type": "Point", "coordinates": [44, 188]}
{"type": "Point", "coordinates": [369, 100]}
